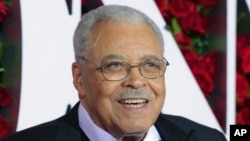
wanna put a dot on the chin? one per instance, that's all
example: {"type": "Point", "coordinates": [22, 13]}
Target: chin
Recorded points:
{"type": "Point", "coordinates": [136, 130]}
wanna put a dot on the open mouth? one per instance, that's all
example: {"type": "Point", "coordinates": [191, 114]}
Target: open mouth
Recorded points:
{"type": "Point", "coordinates": [134, 103]}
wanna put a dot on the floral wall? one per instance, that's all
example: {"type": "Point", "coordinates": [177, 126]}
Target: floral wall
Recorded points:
{"type": "Point", "coordinates": [243, 64]}
{"type": "Point", "coordinates": [198, 27]}
{"type": "Point", "coordinates": [10, 65]}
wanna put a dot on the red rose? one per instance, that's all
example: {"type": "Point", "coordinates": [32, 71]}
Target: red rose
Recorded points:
{"type": "Point", "coordinates": [194, 22]}
{"type": "Point", "coordinates": [205, 62]}
{"type": "Point", "coordinates": [4, 127]}
{"type": "Point", "coordinates": [241, 88]}
{"type": "Point", "coordinates": [241, 42]}
{"type": "Point", "coordinates": [191, 57]}
{"type": "Point", "coordinates": [204, 80]}
{"type": "Point", "coordinates": [5, 99]}
{"type": "Point", "coordinates": [4, 11]}
{"type": "Point", "coordinates": [181, 8]}
{"type": "Point", "coordinates": [208, 63]}
{"type": "Point", "coordinates": [245, 64]}
{"type": "Point", "coordinates": [203, 69]}
{"type": "Point", "coordinates": [243, 117]}
{"type": "Point", "coordinates": [208, 3]}
{"type": "Point", "coordinates": [182, 39]}
{"type": "Point", "coordinates": [163, 7]}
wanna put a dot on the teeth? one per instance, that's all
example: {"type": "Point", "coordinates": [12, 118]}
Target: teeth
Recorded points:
{"type": "Point", "coordinates": [136, 105]}
{"type": "Point", "coordinates": [133, 101]}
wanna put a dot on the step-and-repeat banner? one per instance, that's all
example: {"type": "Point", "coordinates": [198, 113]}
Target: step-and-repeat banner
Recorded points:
{"type": "Point", "coordinates": [44, 55]}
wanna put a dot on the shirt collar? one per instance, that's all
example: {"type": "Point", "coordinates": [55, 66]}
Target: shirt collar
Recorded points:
{"type": "Point", "coordinates": [95, 133]}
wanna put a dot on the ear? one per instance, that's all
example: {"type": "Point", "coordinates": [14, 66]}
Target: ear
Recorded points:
{"type": "Point", "coordinates": [77, 78]}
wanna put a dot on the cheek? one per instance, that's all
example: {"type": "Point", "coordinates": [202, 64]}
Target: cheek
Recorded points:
{"type": "Point", "coordinates": [101, 103]}
{"type": "Point", "coordinates": [101, 92]}
{"type": "Point", "coordinates": [158, 87]}
{"type": "Point", "coordinates": [159, 90]}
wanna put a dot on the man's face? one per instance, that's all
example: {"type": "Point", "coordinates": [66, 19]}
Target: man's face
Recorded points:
{"type": "Point", "coordinates": [108, 102]}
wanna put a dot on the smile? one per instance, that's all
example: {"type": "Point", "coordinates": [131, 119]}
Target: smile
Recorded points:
{"type": "Point", "coordinates": [134, 103]}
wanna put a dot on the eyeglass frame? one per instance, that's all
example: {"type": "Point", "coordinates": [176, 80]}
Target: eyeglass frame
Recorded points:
{"type": "Point", "coordinates": [100, 68]}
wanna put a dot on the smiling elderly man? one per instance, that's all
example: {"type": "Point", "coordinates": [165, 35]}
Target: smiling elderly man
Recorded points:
{"type": "Point", "coordinates": [119, 75]}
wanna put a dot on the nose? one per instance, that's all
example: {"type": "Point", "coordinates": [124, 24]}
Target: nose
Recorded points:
{"type": "Point", "coordinates": [135, 79]}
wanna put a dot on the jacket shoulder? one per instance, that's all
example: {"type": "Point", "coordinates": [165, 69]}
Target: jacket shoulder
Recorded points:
{"type": "Point", "coordinates": [42, 132]}
{"type": "Point", "coordinates": [184, 123]}
{"type": "Point", "coordinates": [190, 128]}
{"type": "Point", "coordinates": [65, 128]}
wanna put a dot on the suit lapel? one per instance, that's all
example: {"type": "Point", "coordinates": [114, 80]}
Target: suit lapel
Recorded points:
{"type": "Point", "coordinates": [170, 132]}
{"type": "Point", "coordinates": [68, 129]}
{"type": "Point", "coordinates": [67, 133]}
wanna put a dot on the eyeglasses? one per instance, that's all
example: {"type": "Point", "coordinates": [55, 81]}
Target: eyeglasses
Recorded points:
{"type": "Point", "coordinates": [115, 70]}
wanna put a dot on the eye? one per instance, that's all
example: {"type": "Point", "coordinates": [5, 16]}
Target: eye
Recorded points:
{"type": "Point", "coordinates": [151, 65]}
{"type": "Point", "coordinates": [113, 67]}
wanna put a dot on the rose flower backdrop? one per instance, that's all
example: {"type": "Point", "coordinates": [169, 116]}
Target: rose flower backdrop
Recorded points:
{"type": "Point", "coordinates": [202, 43]}
{"type": "Point", "coordinates": [199, 29]}
{"type": "Point", "coordinates": [243, 64]}
{"type": "Point", "coordinates": [5, 96]}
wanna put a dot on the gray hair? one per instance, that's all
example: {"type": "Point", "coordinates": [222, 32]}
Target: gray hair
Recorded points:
{"type": "Point", "coordinates": [113, 13]}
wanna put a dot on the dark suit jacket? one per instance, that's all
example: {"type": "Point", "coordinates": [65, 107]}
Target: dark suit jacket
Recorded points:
{"type": "Point", "coordinates": [66, 128]}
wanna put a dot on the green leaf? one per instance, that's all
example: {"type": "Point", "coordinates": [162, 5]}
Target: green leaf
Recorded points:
{"type": "Point", "coordinates": [175, 26]}
{"type": "Point", "coordinates": [1, 69]}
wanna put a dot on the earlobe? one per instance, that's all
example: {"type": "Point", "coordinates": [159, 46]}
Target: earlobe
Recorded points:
{"type": "Point", "coordinates": [77, 78]}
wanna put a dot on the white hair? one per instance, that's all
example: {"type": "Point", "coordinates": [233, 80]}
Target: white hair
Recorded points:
{"type": "Point", "coordinates": [113, 13]}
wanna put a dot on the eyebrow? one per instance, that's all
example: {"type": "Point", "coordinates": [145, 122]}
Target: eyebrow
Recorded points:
{"type": "Point", "coordinates": [149, 57]}
{"type": "Point", "coordinates": [121, 58]}
{"type": "Point", "coordinates": [112, 57]}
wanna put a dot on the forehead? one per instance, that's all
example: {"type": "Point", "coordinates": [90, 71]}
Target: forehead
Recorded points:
{"type": "Point", "coordinates": [121, 38]}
